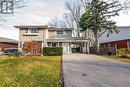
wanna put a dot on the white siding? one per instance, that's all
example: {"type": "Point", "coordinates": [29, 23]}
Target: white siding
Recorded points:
{"type": "Point", "coordinates": [123, 34]}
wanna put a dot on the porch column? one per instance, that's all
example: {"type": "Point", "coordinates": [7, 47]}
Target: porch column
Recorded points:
{"type": "Point", "coordinates": [42, 44]}
{"type": "Point", "coordinates": [84, 48]}
{"type": "Point", "coordinates": [58, 44]}
{"type": "Point", "coordinates": [68, 49]}
{"type": "Point", "coordinates": [88, 51]}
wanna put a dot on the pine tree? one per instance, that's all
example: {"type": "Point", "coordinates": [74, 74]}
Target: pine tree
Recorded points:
{"type": "Point", "coordinates": [97, 18]}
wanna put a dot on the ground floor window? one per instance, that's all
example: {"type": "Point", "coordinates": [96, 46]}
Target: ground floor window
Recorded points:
{"type": "Point", "coordinates": [49, 44]}
{"type": "Point", "coordinates": [60, 44]}
{"type": "Point", "coordinates": [53, 44]}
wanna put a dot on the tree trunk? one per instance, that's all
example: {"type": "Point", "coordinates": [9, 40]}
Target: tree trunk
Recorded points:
{"type": "Point", "coordinates": [97, 43]}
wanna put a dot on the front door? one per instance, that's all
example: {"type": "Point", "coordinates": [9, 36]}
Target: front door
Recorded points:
{"type": "Point", "coordinates": [65, 47]}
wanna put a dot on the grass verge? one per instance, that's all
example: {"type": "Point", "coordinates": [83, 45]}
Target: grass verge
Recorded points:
{"type": "Point", "coordinates": [127, 60]}
{"type": "Point", "coordinates": [30, 71]}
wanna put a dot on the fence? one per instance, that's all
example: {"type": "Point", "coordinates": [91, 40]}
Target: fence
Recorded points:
{"type": "Point", "coordinates": [105, 50]}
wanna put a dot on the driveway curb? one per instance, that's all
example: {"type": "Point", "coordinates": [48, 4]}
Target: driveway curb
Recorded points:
{"type": "Point", "coordinates": [61, 74]}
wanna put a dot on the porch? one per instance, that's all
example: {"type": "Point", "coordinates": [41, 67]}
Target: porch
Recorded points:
{"type": "Point", "coordinates": [73, 45]}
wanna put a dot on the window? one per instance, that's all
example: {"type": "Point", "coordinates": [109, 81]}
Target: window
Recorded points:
{"type": "Point", "coordinates": [53, 44]}
{"type": "Point", "coordinates": [60, 44]}
{"type": "Point", "coordinates": [32, 30]}
{"type": "Point", "coordinates": [60, 32]}
{"type": "Point", "coordinates": [49, 44]}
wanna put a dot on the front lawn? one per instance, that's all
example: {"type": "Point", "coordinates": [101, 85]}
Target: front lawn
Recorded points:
{"type": "Point", "coordinates": [30, 71]}
{"type": "Point", "coordinates": [127, 60]}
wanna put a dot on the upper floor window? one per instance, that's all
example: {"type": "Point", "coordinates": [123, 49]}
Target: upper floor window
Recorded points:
{"type": "Point", "coordinates": [32, 30]}
{"type": "Point", "coordinates": [60, 32]}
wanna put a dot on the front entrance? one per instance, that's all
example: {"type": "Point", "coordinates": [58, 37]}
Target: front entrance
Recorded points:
{"type": "Point", "coordinates": [76, 48]}
{"type": "Point", "coordinates": [65, 47]}
{"type": "Point", "coordinates": [70, 47]}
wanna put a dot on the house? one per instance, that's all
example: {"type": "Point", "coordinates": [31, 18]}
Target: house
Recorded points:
{"type": "Point", "coordinates": [52, 37]}
{"type": "Point", "coordinates": [120, 40]}
{"type": "Point", "coordinates": [6, 43]}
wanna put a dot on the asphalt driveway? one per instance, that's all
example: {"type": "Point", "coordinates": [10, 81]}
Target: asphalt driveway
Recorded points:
{"type": "Point", "coordinates": [82, 70]}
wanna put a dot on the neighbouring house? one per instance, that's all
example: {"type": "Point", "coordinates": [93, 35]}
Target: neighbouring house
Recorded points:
{"type": "Point", "coordinates": [52, 37]}
{"type": "Point", "coordinates": [116, 41]}
{"type": "Point", "coordinates": [6, 43]}
{"type": "Point", "coordinates": [117, 44]}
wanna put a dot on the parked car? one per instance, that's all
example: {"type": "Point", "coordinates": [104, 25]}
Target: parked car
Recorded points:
{"type": "Point", "coordinates": [3, 53]}
{"type": "Point", "coordinates": [10, 50]}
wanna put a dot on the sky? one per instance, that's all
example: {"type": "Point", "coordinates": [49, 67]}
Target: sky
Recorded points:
{"type": "Point", "coordinates": [39, 12]}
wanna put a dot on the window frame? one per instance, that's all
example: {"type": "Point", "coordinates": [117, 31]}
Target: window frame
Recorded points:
{"type": "Point", "coordinates": [60, 32]}
{"type": "Point", "coordinates": [32, 31]}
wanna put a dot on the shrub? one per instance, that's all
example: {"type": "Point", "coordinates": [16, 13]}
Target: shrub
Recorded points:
{"type": "Point", "coordinates": [32, 48]}
{"type": "Point", "coordinates": [123, 52]}
{"type": "Point", "coordinates": [52, 51]}
{"type": "Point", "coordinates": [16, 53]}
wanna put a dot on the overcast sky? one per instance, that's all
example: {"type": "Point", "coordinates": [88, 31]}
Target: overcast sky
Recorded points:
{"type": "Point", "coordinates": [39, 12]}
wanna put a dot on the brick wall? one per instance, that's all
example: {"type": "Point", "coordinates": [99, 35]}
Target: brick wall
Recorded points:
{"type": "Point", "coordinates": [4, 45]}
{"type": "Point", "coordinates": [119, 44]}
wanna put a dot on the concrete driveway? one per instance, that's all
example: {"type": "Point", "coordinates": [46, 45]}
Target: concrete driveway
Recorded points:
{"type": "Point", "coordinates": [82, 70]}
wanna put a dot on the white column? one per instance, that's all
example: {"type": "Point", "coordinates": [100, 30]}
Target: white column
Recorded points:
{"type": "Point", "coordinates": [58, 44]}
{"type": "Point", "coordinates": [88, 50]}
{"type": "Point", "coordinates": [42, 44]}
{"type": "Point", "coordinates": [68, 47]}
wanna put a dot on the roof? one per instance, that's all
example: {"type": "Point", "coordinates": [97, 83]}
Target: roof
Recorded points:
{"type": "Point", "coordinates": [123, 26]}
{"type": "Point", "coordinates": [42, 26]}
{"type": "Point", "coordinates": [7, 40]}
{"type": "Point", "coordinates": [32, 26]}
{"type": "Point", "coordinates": [124, 33]}
{"type": "Point", "coordinates": [60, 28]}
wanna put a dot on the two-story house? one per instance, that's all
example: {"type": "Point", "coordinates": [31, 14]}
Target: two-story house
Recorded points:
{"type": "Point", "coordinates": [51, 37]}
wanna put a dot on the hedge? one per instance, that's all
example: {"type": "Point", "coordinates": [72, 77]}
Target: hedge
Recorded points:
{"type": "Point", "coordinates": [52, 51]}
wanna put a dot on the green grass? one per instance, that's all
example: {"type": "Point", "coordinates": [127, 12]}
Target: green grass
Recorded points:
{"type": "Point", "coordinates": [127, 60]}
{"type": "Point", "coordinates": [30, 71]}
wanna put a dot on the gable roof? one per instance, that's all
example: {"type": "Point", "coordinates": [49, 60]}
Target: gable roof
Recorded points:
{"type": "Point", "coordinates": [7, 40]}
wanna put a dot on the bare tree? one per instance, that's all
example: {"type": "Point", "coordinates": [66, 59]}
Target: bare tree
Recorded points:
{"type": "Point", "coordinates": [75, 10]}
{"type": "Point", "coordinates": [55, 22]}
